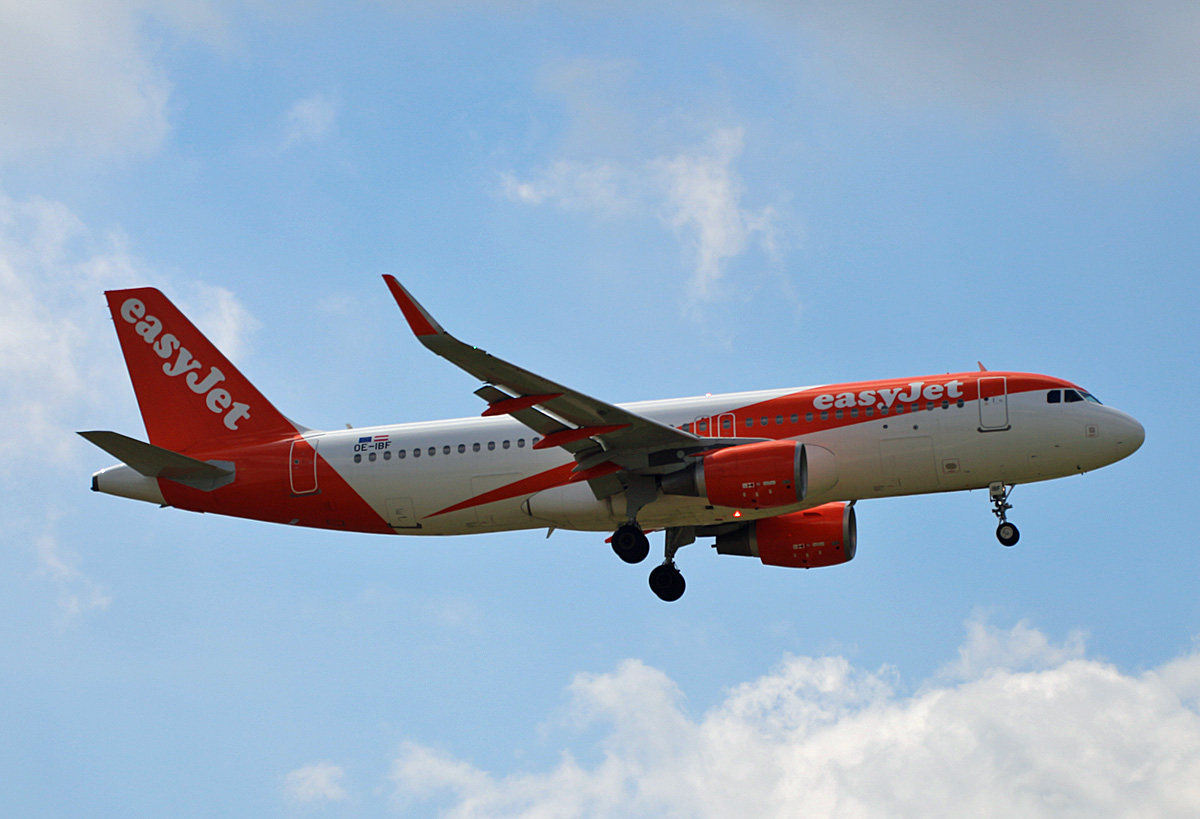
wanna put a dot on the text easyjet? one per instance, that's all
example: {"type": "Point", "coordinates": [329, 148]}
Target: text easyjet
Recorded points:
{"type": "Point", "coordinates": [167, 345]}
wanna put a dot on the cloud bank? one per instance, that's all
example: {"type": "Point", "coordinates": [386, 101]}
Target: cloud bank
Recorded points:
{"type": "Point", "coordinates": [1112, 79]}
{"type": "Point", "coordinates": [1016, 726]}
{"type": "Point", "coordinates": [83, 78]}
{"type": "Point", "coordinates": [61, 370]}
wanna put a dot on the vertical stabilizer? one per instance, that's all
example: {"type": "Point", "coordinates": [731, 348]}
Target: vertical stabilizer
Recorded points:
{"type": "Point", "coordinates": [190, 395]}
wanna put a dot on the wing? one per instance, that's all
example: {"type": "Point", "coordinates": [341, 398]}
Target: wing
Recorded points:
{"type": "Point", "coordinates": [594, 431]}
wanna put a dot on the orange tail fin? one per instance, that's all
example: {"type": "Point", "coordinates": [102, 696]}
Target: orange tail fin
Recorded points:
{"type": "Point", "coordinates": [190, 395]}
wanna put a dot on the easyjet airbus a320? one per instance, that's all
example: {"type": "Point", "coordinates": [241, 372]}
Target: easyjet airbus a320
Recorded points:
{"type": "Point", "coordinates": [772, 474]}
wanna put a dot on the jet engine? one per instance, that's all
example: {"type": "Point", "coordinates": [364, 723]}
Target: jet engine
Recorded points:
{"type": "Point", "coordinates": [762, 475]}
{"type": "Point", "coordinates": [822, 536]}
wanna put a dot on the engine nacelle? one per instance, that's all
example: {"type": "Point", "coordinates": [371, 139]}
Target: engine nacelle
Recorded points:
{"type": "Point", "coordinates": [822, 536]}
{"type": "Point", "coordinates": [762, 475]}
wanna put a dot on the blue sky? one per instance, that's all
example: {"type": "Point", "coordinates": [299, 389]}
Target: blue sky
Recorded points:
{"type": "Point", "coordinates": [641, 201]}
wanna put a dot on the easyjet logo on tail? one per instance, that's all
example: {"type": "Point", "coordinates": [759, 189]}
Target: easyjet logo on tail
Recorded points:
{"type": "Point", "coordinates": [166, 346]}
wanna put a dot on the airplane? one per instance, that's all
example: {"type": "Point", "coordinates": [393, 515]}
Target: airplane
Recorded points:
{"type": "Point", "coordinates": [772, 474]}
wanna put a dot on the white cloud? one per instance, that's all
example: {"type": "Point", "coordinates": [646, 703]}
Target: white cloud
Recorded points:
{"type": "Point", "coordinates": [59, 358]}
{"type": "Point", "coordinates": [602, 186]}
{"type": "Point", "coordinates": [318, 782]}
{"type": "Point", "coordinates": [61, 369]}
{"type": "Point", "coordinates": [1111, 78]}
{"type": "Point", "coordinates": [310, 120]}
{"type": "Point", "coordinates": [77, 593]}
{"type": "Point", "coordinates": [697, 193]}
{"type": "Point", "coordinates": [818, 737]}
{"type": "Point", "coordinates": [702, 203]}
{"type": "Point", "coordinates": [80, 76]}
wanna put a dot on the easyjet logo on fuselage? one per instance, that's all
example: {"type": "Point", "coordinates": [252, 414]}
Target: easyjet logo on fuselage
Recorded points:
{"type": "Point", "coordinates": [165, 345]}
{"type": "Point", "coordinates": [885, 397]}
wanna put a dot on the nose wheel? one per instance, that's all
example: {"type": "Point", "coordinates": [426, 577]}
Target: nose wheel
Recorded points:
{"type": "Point", "coordinates": [1007, 533]}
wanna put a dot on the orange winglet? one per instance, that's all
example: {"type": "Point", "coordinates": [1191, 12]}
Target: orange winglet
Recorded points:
{"type": "Point", "coordinates": [422, 323]}
{"type": "Point", "coordinates": [568, 436]}
{"type": "Point", "coordinates": [521, 402]}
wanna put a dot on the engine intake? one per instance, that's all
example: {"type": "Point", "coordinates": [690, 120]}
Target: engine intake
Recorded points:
{"type": "Point", "coordinates": [822, 536]}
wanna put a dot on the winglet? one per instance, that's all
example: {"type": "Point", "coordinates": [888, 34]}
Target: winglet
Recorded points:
{"type": "Point", "coordinates": [421, 322]}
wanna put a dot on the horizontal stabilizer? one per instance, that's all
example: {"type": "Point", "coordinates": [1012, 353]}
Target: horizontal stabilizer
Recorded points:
{"type": "Point", "coordinates": [156, 462]}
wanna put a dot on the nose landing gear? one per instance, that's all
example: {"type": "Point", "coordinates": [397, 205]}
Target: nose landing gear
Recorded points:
{"type": "Point", "coordinates": [1007, 533]}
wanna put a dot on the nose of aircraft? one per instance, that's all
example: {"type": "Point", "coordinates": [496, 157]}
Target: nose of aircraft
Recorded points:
{"type": "Point", "coordinates": [1130, 434]}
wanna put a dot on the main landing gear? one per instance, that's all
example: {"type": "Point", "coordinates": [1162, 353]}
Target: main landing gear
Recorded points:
{"type": "Point", "coordinates": [631, 545]}
{"type": "Point", "coordinates": [1007, 533]}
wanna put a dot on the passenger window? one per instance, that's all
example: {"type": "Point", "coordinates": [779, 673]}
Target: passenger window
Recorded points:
{"type": "Point", "coordinates": [475, 447]}
{"type": "Point", "coordinates": [960, 404]}
{"type": "Point", "coordinates": [536, 439]}
{"type": "Point", "coordinates": [401, 454]}
{"type": "Point", "coordinates": [520, 443]}
{"type": "Point", "coordinates": [446, 449]}
{"type": "Point", "coordinates": [808, 416]}
{"type": "Point", "coordinates": [945, 404]}
{"type": "Point", "coordinates": [795, 418]}
{"type": "Point", "coordinates": [462, 448]}
{"type": "Point", "coordinates": [824, 415]}
{"type": "Point", "coordinates": [416, 452]}
{"type": "Point", "coordinates": [764, 420]}
{"type": "Point", "coordinates": [778, 420]}
{"type": "Point", "coordinates": [432, 451]}
{"type": "Point", "coordinates": [726, 423]}
{"type": "Point", "coordinates": [358, 457]}
{"type": "Point", "coordinates": [899, 409]}
{"type": "Point", "coordinates": [371, 457]}
{"type": "Point", "coordinates": [749, 422]}
{"type": "Point", "coordinates": [506, 444]}
{"type": "Point", "coordinates": [491, 445]}
{"type": "Point", "coordinates": [870, 412]}
{"type": "Point", "coordinates": [702, 426]}
{"type": "Point", "coordinates": [387, 454]}
{"type": "Point", "coordinates": [854, 412]}
{"type": "Point", "coordinates": [1054, 397]}
{"type": "Point", "coordinates": [838, 415]}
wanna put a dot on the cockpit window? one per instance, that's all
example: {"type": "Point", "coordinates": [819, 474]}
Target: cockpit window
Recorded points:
{"type": "Point", "coordinates": [1054, 397]}
{"type": "Point", "coordinates": [1072, 396]}
{"type": "Point", "coordinates": [1087, 396]}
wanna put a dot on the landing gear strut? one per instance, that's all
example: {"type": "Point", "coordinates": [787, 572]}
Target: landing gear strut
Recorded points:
{"type": "Point", "coordinates": [1006, 532]}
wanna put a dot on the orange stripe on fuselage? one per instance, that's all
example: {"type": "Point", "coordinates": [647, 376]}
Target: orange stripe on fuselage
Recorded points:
{"type": "Point", "coordinates": [834, 401]}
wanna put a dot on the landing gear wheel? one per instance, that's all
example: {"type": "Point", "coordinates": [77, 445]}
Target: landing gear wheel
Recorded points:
{"type": "Point", "coordinates": [1007, 534]}
{"type": "Point", "coordinates": [667, 582]}
{"type": "Point", "coordinates": [631, 544]}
